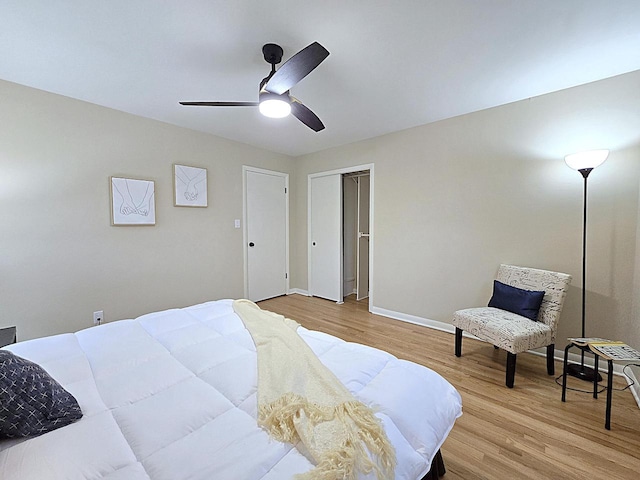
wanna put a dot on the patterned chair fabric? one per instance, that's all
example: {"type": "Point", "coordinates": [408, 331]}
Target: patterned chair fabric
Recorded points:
{"type": "Point", "coordinates": [509, 331]}
{"type": "Point", "coordinates": [512, 332]}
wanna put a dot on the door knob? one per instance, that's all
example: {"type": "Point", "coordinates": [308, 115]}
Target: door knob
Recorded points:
{"type": "Point", "coordinates": [251, 244]}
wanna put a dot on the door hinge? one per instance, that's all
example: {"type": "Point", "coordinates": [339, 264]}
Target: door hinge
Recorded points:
{"type": "Point", "coordinates": [285, 189]}
{"type": "Point", "coordinates": [286, 275]}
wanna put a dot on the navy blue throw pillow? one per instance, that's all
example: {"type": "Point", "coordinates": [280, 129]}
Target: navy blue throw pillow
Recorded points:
{"type": "Point", "coordinates": [516, 300]}
{"type": "Point", "coordinates": [31, 401]}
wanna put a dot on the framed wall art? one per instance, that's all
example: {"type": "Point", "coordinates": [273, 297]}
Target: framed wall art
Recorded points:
{"type": "Point", "coordinates": [189, 186]}
{"type": "Point", "coordinates": [132, 201]}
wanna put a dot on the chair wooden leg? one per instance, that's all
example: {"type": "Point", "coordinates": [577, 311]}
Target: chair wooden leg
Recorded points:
{"type": "Point", "coordinates": [551, 370]}
{"type": "Point", "coordinates": [511, 368]}
{"type": "Point", "coordinates": [458, 342]}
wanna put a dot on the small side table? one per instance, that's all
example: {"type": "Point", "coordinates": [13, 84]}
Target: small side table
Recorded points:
{"type": "Point", "coordinates": [585, 348]}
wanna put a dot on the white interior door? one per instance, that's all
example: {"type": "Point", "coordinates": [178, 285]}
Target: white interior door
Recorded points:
{"type": "Point", "coordinates": [362, 272]}
{"type": "Point", "coordinates": [266, 234]}
{"type": "Point", "coordinates": [325, 237]}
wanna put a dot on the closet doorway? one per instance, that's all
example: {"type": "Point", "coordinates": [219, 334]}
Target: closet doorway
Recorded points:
{"type": "Point", "coordinates": [340, 233]}
{"type": "Point", "coordinates": [356, 235]}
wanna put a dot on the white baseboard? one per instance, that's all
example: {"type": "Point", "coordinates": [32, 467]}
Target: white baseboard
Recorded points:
{"type": "Point", "coordinates": [635, 388]}
{"type": "Point", "coordinates": [298, 291]}
{"type": "Point", "coordinates": [405, 317]}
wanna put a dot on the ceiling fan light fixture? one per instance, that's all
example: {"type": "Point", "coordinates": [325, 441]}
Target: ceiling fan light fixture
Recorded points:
{"type": "Point", "coordinates": [274, 106]}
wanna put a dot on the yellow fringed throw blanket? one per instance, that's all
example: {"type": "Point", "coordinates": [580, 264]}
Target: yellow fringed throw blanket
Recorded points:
{"type": "Point", "coordinates": [299, 399]}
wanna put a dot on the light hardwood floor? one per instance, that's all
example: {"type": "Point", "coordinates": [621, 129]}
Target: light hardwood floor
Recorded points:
{"type": "Point", "coordinates": [520, 433]}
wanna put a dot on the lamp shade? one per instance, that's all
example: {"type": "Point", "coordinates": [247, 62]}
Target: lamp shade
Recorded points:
{"type": "Point", "coordinates": [589, 159]}
{"type": "Point", "coordinates": [273, 105]}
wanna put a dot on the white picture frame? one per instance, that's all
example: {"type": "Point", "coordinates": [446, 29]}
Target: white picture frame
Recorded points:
{"type": "Point", "coordinates": [132, 201]}
{"type": "Point", "coordinates": [189, 186]}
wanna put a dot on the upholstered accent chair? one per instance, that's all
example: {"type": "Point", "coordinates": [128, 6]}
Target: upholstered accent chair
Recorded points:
{"type": "Point", "coordinates": [513, 332]}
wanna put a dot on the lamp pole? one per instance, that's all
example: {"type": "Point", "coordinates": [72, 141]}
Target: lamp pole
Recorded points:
{"type": "Point", "coordinates": [585, 173]}
{"type": "Point", "coordinates": [585, 162]}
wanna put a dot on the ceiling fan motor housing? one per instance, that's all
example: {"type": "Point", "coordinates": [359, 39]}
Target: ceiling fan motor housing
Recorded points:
{"type": "Point", "coordinates": [272, 53]}
{"type": "Point", "coordinates": [264, 95]}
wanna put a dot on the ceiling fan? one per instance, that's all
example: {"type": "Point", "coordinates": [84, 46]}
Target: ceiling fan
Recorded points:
{"type": "Point", "coordinates": [274, 98]}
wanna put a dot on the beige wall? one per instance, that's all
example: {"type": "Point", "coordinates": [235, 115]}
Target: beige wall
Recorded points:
{"type": "Point", "coordinates": [452, 200]}
{"type": "Point", "coordinates": [60, 260]}
{"type": "Point", "coordinates": [455, 198]}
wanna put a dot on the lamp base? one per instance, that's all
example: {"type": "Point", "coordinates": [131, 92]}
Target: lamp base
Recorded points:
{"type": "Point", "coordinates": [581, 372]}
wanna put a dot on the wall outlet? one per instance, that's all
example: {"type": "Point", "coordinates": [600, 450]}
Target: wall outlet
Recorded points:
{"type": "Point", "coordinates": [98, 317]}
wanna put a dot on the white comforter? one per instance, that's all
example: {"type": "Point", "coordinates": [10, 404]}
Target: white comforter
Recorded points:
{"type": "Point", "coordinates": [172, 395]}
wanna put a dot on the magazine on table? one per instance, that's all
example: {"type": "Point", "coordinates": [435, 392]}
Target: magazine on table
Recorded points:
{"type": "Point", "coordinates": [608, 349]}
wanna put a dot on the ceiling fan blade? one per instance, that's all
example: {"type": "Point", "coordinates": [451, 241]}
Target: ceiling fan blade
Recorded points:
{"type": "Point", "coordinates": [305, 115]}
{"type": "Point", "coordinates": [220, 104]}
{"type": "Point", "coordinates": [296, 68]}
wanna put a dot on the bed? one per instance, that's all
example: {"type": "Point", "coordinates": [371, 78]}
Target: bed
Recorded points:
{"type": "Point", "coordinates": [172, 395]}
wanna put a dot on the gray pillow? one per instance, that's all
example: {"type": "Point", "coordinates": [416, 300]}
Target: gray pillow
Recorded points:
{"type": "Point", "coordinates": [31, 402]}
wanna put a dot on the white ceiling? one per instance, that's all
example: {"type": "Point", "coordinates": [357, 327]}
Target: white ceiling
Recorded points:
{"type": "Point", "coordinates": [393, 64]}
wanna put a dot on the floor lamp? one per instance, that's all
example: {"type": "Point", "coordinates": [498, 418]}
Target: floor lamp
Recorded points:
{"type": "Point", "coordinates": [584, 162]}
